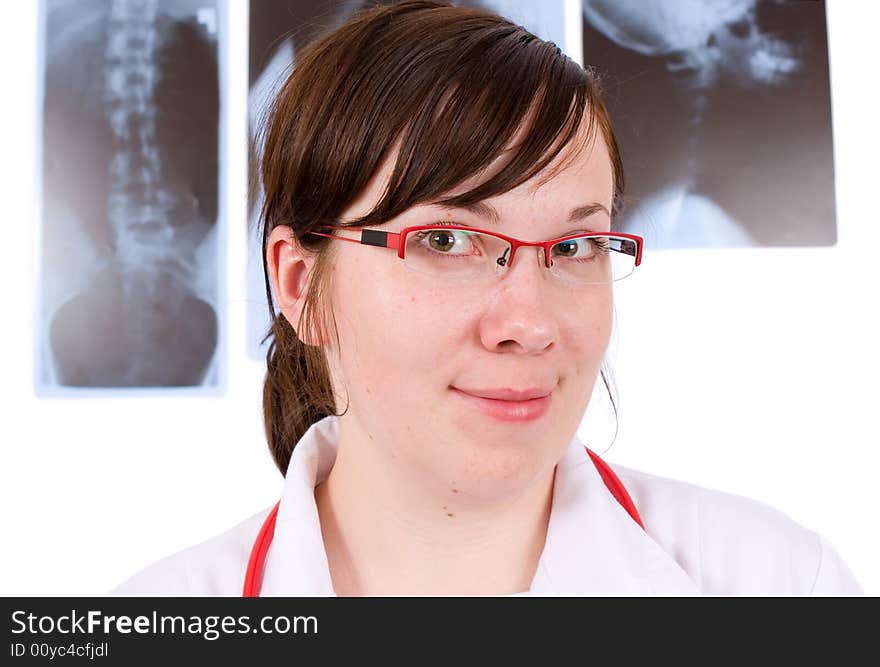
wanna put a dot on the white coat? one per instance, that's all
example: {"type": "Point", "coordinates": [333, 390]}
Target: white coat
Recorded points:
{"type": "Point", "coordinates": [698, 541]}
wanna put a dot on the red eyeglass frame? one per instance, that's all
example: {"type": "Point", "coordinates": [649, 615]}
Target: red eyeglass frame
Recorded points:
{"type": "Point", "coordinates": [397, 240]}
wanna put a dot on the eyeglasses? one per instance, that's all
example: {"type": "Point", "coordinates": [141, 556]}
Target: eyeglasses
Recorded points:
{"type": "Point", "coordinates": [469, 254]}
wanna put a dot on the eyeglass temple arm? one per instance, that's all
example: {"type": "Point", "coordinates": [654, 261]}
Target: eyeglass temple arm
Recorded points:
{"type": "Point", "coordinates": [370, 237]}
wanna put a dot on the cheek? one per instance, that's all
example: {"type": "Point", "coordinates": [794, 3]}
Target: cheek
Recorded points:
{"type": "Point", "coordinates": [587, 332]}
{"type": "Point", "coordinates": [395, 334]}
{"type": "Point", "coordinates": [430, 329]}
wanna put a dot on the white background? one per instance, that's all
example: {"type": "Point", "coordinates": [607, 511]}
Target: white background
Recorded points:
{"type": "Point", "coordinates": [753, 371]}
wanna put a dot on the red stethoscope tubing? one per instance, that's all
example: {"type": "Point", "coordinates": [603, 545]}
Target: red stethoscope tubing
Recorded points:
{"type": "Point", "coordinates": [256, 563]}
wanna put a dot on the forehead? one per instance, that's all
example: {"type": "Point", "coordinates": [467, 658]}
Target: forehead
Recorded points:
{"type": "Point", "coordinates": [583, 161]}
{"type": "Point", "coordinates": [581, 172]}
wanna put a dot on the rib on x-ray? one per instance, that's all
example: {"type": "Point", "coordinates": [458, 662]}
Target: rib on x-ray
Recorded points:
{"type": "Point", "coordinates": [129, 252]}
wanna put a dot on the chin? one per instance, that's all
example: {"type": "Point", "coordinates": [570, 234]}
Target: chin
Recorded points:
{"type": "Point", "coordinates": [493, 468]}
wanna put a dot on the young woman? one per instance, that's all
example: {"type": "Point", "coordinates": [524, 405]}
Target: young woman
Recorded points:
{"type": "Point", "coordinates": [440, 197]}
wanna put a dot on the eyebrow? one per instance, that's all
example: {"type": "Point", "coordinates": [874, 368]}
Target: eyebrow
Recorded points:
{"type": "Point", "coordinates": [490, 213]}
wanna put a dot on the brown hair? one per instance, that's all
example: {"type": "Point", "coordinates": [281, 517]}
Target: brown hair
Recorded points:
{"type": "Point", "coordinates": [450, 86]}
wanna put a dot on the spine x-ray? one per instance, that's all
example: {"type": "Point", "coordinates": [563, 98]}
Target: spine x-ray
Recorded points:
{"type": "Point", "coordinates": [129, 252]}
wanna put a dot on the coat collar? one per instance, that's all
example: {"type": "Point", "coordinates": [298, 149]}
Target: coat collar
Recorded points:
{"type": "Point", "coordinates": [593, 547]}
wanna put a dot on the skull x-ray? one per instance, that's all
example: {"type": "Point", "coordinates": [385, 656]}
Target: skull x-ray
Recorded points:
{"type": "Point", "coordinates": [129, 255]}
{"type": "Point", "coordinates": [723, 115]}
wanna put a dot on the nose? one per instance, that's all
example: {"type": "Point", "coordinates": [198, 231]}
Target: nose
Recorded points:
{"type": "Point", "coordinates": [522, 313]}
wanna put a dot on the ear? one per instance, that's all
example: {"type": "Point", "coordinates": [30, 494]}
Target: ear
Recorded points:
{"type": "Point", "coordinates": [289, 267]}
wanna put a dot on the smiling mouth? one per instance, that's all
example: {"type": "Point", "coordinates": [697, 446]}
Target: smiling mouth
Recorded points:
{"type": "Point", "coordinates": [509, 405]}
{"type": "Point", "coordinates": [506, 394]}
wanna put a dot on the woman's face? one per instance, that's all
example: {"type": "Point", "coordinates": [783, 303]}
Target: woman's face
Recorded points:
{"type": "Point", "coordinates": [409, 345]}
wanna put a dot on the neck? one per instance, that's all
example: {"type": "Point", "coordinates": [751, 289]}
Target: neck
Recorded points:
{"type": "Point", "coordinates": [397, 537]}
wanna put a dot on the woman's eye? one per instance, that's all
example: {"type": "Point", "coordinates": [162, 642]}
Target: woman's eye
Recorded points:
{"type": "Point", "coordinates": [446, 241]}
{"type": "Point", "coordinates": [443, 240]}
{"type": "Point", "coordinates": [580, 248]}
{"type": "Point", "coordinates": [572, 248]}
{"type": "Point", "coordinates": [566, 249]}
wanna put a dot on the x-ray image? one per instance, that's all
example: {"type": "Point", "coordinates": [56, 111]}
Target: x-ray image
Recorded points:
{"type": "Point", "coordinates": [723, 115]}
{"type": "Point", "coordinates": [278, 28]}
{"type": "Point", "coordinates": [129, 257]}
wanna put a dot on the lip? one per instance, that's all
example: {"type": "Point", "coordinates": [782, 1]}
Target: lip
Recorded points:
{"type": "Point", "coordinates": [507, 394]}
{"type": "Point", "coordinates": [509, 404]}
